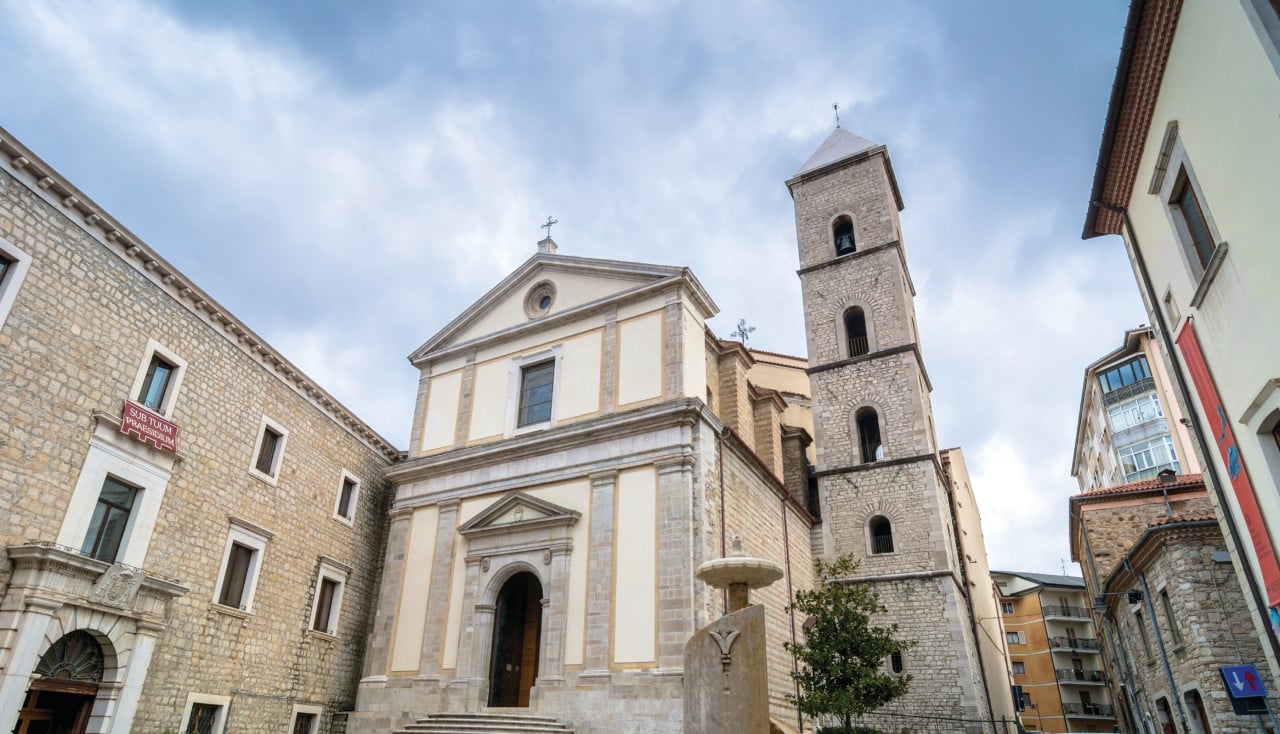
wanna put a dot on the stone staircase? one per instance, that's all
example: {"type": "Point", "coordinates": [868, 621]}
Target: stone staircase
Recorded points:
{"type": "Point", "coordinates": [486, 722]}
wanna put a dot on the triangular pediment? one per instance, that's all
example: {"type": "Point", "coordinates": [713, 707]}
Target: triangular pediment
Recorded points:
{"type": "Point", "coordinates": [517, 510]}
{"type": "Point", "coordinates": [570, 284]}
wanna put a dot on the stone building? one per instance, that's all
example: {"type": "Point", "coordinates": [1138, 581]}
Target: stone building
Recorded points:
{"type": "Point", "coordinates": [1192, 135]}
{"type": "Point", "coordinates": [193, 526]}
{"type": "Point", "coordinates": [1131, 426]}
{"type": "Point", "coordinates": [882, 488]}
{"type": "Point", "coordinates": [1172, 616]}
{"type": "Point", "coordinates": [1054, 652]}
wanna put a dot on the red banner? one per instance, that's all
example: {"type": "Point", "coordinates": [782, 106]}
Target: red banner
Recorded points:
{"type": "Point", "coordinates": [1219, 427]}
{"type": "Point", "coordinates": [148, 427]}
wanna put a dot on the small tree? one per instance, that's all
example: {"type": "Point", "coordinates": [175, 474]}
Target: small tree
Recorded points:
{"type": "Point", "coordinates": [843, 654]}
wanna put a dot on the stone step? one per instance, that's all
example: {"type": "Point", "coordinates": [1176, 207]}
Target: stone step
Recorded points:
{"type": "Point", "coordinates": [486, 722]}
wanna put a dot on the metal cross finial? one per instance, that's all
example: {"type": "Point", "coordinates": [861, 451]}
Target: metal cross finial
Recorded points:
{"type": "Point", "coordinates": [743, 331]}
{"type": "Point", "coordinates": [547, 226]}
{"type": "Point", "coordinates": [836, 107]}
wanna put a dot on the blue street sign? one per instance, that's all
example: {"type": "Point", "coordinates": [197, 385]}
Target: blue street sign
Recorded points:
{"type": "Point", "coordinates": [1243, 681]}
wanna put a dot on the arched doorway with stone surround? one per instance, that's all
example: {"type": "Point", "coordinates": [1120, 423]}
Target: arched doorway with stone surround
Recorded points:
{"type": "Point", "coordinates": [64, 687]}
{"type": "Point", "coordinates": [517, 636]}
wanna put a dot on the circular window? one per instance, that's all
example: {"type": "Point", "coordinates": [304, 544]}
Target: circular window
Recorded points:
{"type": "Point", "coordinates": [540, 299]}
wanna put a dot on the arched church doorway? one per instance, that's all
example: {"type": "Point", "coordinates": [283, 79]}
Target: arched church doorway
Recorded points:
{"type": "Point", "coordinates": [61, 695]}
{"type": "Point", "coordinates": [517, 631]}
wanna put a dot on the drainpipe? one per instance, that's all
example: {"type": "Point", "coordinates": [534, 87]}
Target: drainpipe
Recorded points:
{"type": "Point", "coordinates": [1197, 429]}
{"type": "Point", "coordinates": [724, 593]}
{"type": "Point", "coordinates": [791, 612]}
{"type": "Point", "coordinates": [1137, 711]}
{"type": "Point", "coordinates": [1164, 656]}
{"type": "Point", "coordinates": [1126, 675]}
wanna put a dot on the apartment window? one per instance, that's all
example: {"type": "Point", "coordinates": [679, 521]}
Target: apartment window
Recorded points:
{"type": "Point", "coordinates": [204, 714]}
{"type": "Point", "coordinates": [14, 264]}
{"type": "Point", "coordinates": [238, 577]}
{"type": "Point", "coordinates": [269, 450]}
{"type": "Point", "coordinates": [158, 379]}
{"type": "Point", "coordinates": [1145, 459]}
{"type": "Point", "coordinates": [1019, 668]}
{"type": "Point", "coordinates": [1199, 241]}
{"type": "Point", "coordinates": [1014, 638]}
{"type": "Point", "coordinates": [1168, 615]}
{"type": "Point", "coordinates": [1006, 607]}
{"type": "Point", "coordinates": [537, 387]}
{"type": "Point", "coordinates": [1135, 370]}
{"type": "Point", "coordinates": [156, 383]}
{"type": "Point", "coordinates": [348, 492]}
{"type": "Point", "coordinates": [110, 520]}
{"type": "Point", "coordinates": [1136, 412]}
{"type": "Point", "coordinates": [330, 582]}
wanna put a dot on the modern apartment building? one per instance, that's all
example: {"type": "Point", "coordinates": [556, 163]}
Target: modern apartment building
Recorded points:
{"type": "Point", "coordinates": [1130, 426]}
{"type": "Point", "coordinates": [1054, 652]}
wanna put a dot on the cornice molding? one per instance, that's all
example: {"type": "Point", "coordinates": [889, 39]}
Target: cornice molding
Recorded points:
{"type": "Point", "coordinates": [39, 177]}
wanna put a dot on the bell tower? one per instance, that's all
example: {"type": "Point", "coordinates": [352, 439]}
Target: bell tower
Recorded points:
{"type": "Point", "coordinates": [882, 489]}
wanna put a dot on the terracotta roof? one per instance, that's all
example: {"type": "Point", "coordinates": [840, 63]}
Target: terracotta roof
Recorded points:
{"type": "Point", "coordinates": [1172, 519]}
{"type": "Point", "coordinates": [1145, 52]}
{"type": "Point", "coordinates": [1146, 485]}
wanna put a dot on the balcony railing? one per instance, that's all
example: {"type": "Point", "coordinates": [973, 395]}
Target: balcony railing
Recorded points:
{"type": "Point", "coordinates": [1146, 384]}
{"type": "Point", "coordinates": [1062, 610]}
{"type": "Point", "coordinates": [1074, 643]}
{"type": "Point", "coordinates": [1100, 710]}
{"type": "Point", "coordinates": [1081, 676]}
{"type": "Point", "coordinates": [882, 544]}
{"type": "Point", "coordinates": [857, 346]}
{"type": "Point", "coordinates": [872, 452]}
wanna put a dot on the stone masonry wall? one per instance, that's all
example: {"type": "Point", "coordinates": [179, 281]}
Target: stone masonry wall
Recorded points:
{"type": "Point", "coordinates": [1113, 528]}
{"type": "Point", "coordinates": [860, 190]}
{"type": "Point", "coordinates": [72, 345]}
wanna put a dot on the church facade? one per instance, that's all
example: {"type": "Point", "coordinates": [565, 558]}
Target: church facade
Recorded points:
{"type": "Point", "coordinates": [203, 539]}
{"type": "Point", "coordinates": [581, 443]}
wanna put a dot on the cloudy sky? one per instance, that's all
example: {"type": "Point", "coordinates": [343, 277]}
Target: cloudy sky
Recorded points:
{"type": "Point", "coordinates": [346, 177]}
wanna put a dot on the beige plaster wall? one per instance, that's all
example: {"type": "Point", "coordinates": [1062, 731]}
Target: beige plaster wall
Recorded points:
{"type": "Point", "coordinates": [1223, 91]}
{"type": "Point", "coordinates": [635, 548]}
{"type": "Point", "coordinates": [572, 290]}
{"type": "Point", "coordinates": [406, 647]}
{"type": "Point", "coordinates": [640, 359]}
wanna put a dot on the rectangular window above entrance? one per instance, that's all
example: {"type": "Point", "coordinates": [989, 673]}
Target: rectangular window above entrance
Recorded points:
{"type": "Point", "coordinates": [110, 520]}
{"type": "Point", "coordinates": [537, 387]}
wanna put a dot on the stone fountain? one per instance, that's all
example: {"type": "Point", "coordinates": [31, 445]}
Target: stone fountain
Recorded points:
{"type": "Point", "coordinates": [726, 676]}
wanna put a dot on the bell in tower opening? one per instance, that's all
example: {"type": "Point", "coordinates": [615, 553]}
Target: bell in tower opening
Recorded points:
{"type": "Point", "coordinates": [843, 232]}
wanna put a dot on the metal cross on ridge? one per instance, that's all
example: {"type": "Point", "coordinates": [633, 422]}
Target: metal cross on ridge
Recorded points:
{"type": "Point", "coordinates": [836, 107]}
{"type": "Point", "coordinates": [743, 331]}
{"type": "Point", "coordinates": [547, 226]}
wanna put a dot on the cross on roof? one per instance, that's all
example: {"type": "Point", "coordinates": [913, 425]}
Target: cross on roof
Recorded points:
{"type": "Point", "coordinates": [547, 226]}
{"type": "Point", "coordinates": [743, 331]}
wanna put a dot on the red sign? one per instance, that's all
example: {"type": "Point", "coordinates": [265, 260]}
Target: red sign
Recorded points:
{"type": "Point", "coordinates": [148, 427]}
{"type": "Point", "coordinates": [1220, 427]}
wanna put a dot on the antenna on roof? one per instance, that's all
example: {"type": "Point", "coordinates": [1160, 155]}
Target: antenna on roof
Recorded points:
{"type": "Point", "coordinates": [836, 107]}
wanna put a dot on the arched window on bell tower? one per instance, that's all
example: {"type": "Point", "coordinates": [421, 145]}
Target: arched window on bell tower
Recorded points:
{"type": "Point", "coordinates": [855, 330]}
{"type": "Point", "coordinates": [869, 445]}
{"type": "Point", "coordinates": [842, 235]}
{"type": "Point", "coordinates": [881, 531]}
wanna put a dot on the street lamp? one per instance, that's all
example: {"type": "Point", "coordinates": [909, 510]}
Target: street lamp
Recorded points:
{"type": "Point", "coordinates": [1100, 601]}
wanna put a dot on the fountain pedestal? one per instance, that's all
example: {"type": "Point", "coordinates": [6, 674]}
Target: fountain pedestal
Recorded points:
{"type": "Point", "coordinates": [726, 675]}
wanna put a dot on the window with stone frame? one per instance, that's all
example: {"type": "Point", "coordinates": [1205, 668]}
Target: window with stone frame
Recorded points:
{"type": "Point", "coordinates": [203, 718]}
{"type": "Point", "coordinates": [1172, 620]}
{"type": "Point", "coordinates": [268, 451]}
{"type": "Point", "coordinates": [305, 723]}
{"type": "Point", "coordinates": [241, 562]}
{"type": "Point", "coordinates": [14, 264]}
{"type": "Point", "coordinates": [330, 583]}
{"type": "Point", "coordinates": [1195, 226]}
{"type": "Point", "coordinates": [1142, 632]}
{"type": "Point", "coordinates": [348, 494]}
{"type": "Point", "coordinates": [537, 388]}
{"type": "Point", "coordinates": [110, 520]}
{"type": "Point", "coordinates": [881, 530]}
{"type": "Point", "coordinates": [870, 447]}
{"type": "Point", "coordinates": [155, 386]}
